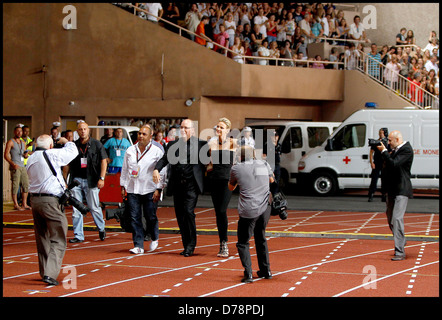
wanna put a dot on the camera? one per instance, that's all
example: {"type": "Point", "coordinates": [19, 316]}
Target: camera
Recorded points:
{"type": "Point", "coordinates": [374, 142]}
{"type": "Point", "coordinates": [120, 214]}
{"type": "Point", "coordinates": [279, 206]}
{"type": "Point", "coordinates": [68, 198]}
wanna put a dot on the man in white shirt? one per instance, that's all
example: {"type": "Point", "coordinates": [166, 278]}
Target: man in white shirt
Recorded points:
{"type": "Point", "coordinates": [357, 29]}
{"type": "Point", "coordinates": [261, 20]}
{"type": "Point", "coordinates": [432, 64]}
{"type": "Point", "coordinates": [156, 9]}
{"type": "Point", "coordinates": [142, 193]}
{"type": "Point", "coordinates": [306, 30]}
{"type": "Point", "coordinates": [50, 222]}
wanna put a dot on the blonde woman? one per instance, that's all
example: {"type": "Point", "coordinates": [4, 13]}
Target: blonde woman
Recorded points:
{"type": "Point", "coordinates": [222, 152]}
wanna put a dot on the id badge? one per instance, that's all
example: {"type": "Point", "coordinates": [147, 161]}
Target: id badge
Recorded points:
{"type": "Point", "coordinates": [83, 163]}
{"type": "Point", "coordinates": [118, 152]}
{"type": "Point", "coordinates": [134, 171]}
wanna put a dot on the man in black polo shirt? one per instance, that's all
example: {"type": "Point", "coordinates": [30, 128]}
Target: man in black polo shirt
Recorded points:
{"type": "Point", "coordinates": [89, 169]}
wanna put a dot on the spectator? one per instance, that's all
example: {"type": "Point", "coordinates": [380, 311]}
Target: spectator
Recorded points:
{"type": "Point", "coordinates": [54, 135]}
{"type": "Point", "coordinates": [391, 73]}
{"type": "Point", "coordinates": [374, 61]}
{"type": "Point", "coordinates": [116, 148]}
{"type": "Point", "coordinates": [201, 32]}
{"type": "Point", "coordinates": [317, 64]}
{"type": "Point", "coordinates": [432, 64]}
{"type": "Point", "coordinates": [247, 138]}
{"type": "Point", "coordinates": [297, 15]}
{"type": "Point", "coordinates": [245, 15]}
{"type": "Point", "coordinates": [157, 11]}
{"type": "Point", "coordinates": [306, 29]}
{"type": "Point", "coordinates": [260, 20]}
{"type": "Point", "coordinates": [15, 152]}
{"type": "Point", "coordinates": [172, 14]}
{"type": "Point", "coordinates": [357, 29]}
{"type": "Point", "coordinates": [286, 53]}
{"type": "Point", "coordinates": [192, 20]}
{"type": "Point", "coordinates": [384, 54]}
{"type": "Point", "coordinates": [324, 22]}
{"type": "Point", "coordinates": [239, 51]}
{"type": "Point", "coordinates": [317, 28]}
{"type": "Point", "coordinates": [159, 137]}
{"type": "Point", "coordinates": [339, 18]}
{"type": "Point", "coordinates": [271, 27]}
{"type": "Point", "coordinates": [405, 65]}
{"type": "Point", "coordinates": [239, 32]}
{"type": "Point", "coordinates": [222, 38]}
{"type": "Point", "coordinates": [230, 26]}
{"type": "Point", "coordinates": [410, 39]}
{"type": "Point", "coordinates": [415, 93]}
{"type": "Point", "coordinates": [352, 57]}
{"type": "Point", "coordinates": [274, 52]}
{"type": "Point", "coordinates": [247, 33]}
{"type": "Point", "coordinates": [342, 31]}
{"type": "Point", "coordinates": [290, 27]}
{"type": "Point", "coordinates": [257, 38]}
{"type": "Point", "coordinates": [263, 52]}
{"type": "Point", "coordinates": [334, 58]}
{"type": "Point", "coordinates": [248, 51]}
{"type": "Point", "coordinates": [431, 45]}
{"type": "Point", "coordinates": [400, 37]}
{"type": "Point", "coordinates": [430, 82]}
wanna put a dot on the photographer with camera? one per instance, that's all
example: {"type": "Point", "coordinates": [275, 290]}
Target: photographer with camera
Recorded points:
{"type": "Point", "coordinates": [50, 222]}
{"type": "Point", "coordinates": [88, 169]}
{"type": "Point", "coordinates": [142, 192]}
{"type": "Point", "coordinates": [253, 177]}
{"type": "Point", "coordinates": [377, 164]}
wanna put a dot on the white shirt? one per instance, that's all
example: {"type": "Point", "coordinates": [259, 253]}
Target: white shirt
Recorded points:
{"type": "Point", "coordinates": [356, 31]}
{"type": "Point", "coordinates": [429, 65]}
{"type": "Point", "coordinates": [153, 8]}
{"type": "Point", "coordinates": [258, 20]}
{"type": "Point", "coordinates": [137, 170]}
{"type": "Point", "coordinates": [41, 179]}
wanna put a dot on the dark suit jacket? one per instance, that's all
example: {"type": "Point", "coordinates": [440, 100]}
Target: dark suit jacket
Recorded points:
{"type": "Point", "coordinates": [397, 171]}
{"type": "Point", "coordinates": [199, 160]}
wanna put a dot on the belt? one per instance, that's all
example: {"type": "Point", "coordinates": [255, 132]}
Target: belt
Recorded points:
{"type": "Point", "coordinates": [43, 195]}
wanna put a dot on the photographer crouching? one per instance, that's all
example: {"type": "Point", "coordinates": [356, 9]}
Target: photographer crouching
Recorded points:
{"type": "Point", "coordinates": [46, 187]}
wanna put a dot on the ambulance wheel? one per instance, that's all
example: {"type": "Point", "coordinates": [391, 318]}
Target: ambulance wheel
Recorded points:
{"type": "Point", "coordinates": [324, 184]}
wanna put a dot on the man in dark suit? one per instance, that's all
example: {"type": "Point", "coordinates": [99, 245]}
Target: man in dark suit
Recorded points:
{"type": "Point", "coordinates": [398, 187]}
{"type": "Point", "coordinates": [188, 157]}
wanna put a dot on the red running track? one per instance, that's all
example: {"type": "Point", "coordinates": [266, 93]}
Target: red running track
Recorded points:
{"type": "Point", "coordinates": [301, 266]}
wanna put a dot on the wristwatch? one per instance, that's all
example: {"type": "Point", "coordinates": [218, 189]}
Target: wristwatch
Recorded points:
{"type": "Point", "coordinates": [102, 178]}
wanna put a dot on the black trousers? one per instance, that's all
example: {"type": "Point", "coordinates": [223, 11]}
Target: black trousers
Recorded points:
{"type": "Point", "coordinates": [185, 197]}
{"type": "Point", "coordinates": [375, 174]}
{"type": "Point", "coordinates": [257, 227]}
{"type": "Point", "coordinates": [221, 197]}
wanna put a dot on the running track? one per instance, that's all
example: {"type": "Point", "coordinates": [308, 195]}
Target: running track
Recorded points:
{"type": "Point", "coordinates": [321, 254]}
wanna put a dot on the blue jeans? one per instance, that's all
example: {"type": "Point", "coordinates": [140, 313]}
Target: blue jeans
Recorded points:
{"type": "Point", "coordinates": [93, 202]}
{"type": "Point", "coordinates": [143, 204]}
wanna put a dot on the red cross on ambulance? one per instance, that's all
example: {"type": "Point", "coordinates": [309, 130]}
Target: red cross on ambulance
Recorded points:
{"type": "Point", "coordinates": [346, 159]}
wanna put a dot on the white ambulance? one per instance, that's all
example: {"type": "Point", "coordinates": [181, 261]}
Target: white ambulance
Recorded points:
{"type": "Point", "coordinates": [296, 139]}
{"type": "Point", "coordinates": [342, 161]}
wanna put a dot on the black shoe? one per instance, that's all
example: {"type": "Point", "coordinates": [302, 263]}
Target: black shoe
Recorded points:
{"type": "Point", "coordinates": [265, 274]}
{"type": "Point", "coordinates": [248, 278]}
{"type": "Point", "coordinates": [370, 198]}
{"type": "Point", "coordinates": [50, 281]}
{"type": "Point", "coordinates": [75, 240]}
{"type": "Point", "coordinates": [188, 253]}
{"type": "Point", "coordinates": [398, 258]}
{"type": "Point", "coordinates": [102, 235]}
{"type": "Point", "coordinates": [183, 252]}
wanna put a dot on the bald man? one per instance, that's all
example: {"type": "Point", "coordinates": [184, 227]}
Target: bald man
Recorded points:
{"type": "Point", "coordinates": [398, 187]}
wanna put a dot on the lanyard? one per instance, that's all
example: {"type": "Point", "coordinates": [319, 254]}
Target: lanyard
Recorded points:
{"type": "Point", "coordinates": [145, 151]}
{"type": "Point", "coordinates": [83, 152]}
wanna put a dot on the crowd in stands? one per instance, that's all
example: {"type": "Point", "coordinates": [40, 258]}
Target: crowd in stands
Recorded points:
{"type": "Point", "coordinates": [256, 31]}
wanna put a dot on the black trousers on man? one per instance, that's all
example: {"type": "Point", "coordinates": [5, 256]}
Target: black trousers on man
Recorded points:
{"type": "Point", "coordinates": [185, 197]}
{"type": "Point", "coordinates": [257, 227]}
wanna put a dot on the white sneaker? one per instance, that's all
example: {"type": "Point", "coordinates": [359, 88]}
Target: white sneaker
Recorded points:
{"type": "Point", "coordinates": [136, 250]}
{"type": "Point", "coordinates": [153, 245]}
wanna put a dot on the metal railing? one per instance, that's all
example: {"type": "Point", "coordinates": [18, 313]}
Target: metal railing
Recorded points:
{"type": "Point", "coordinates": [393, 80]}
